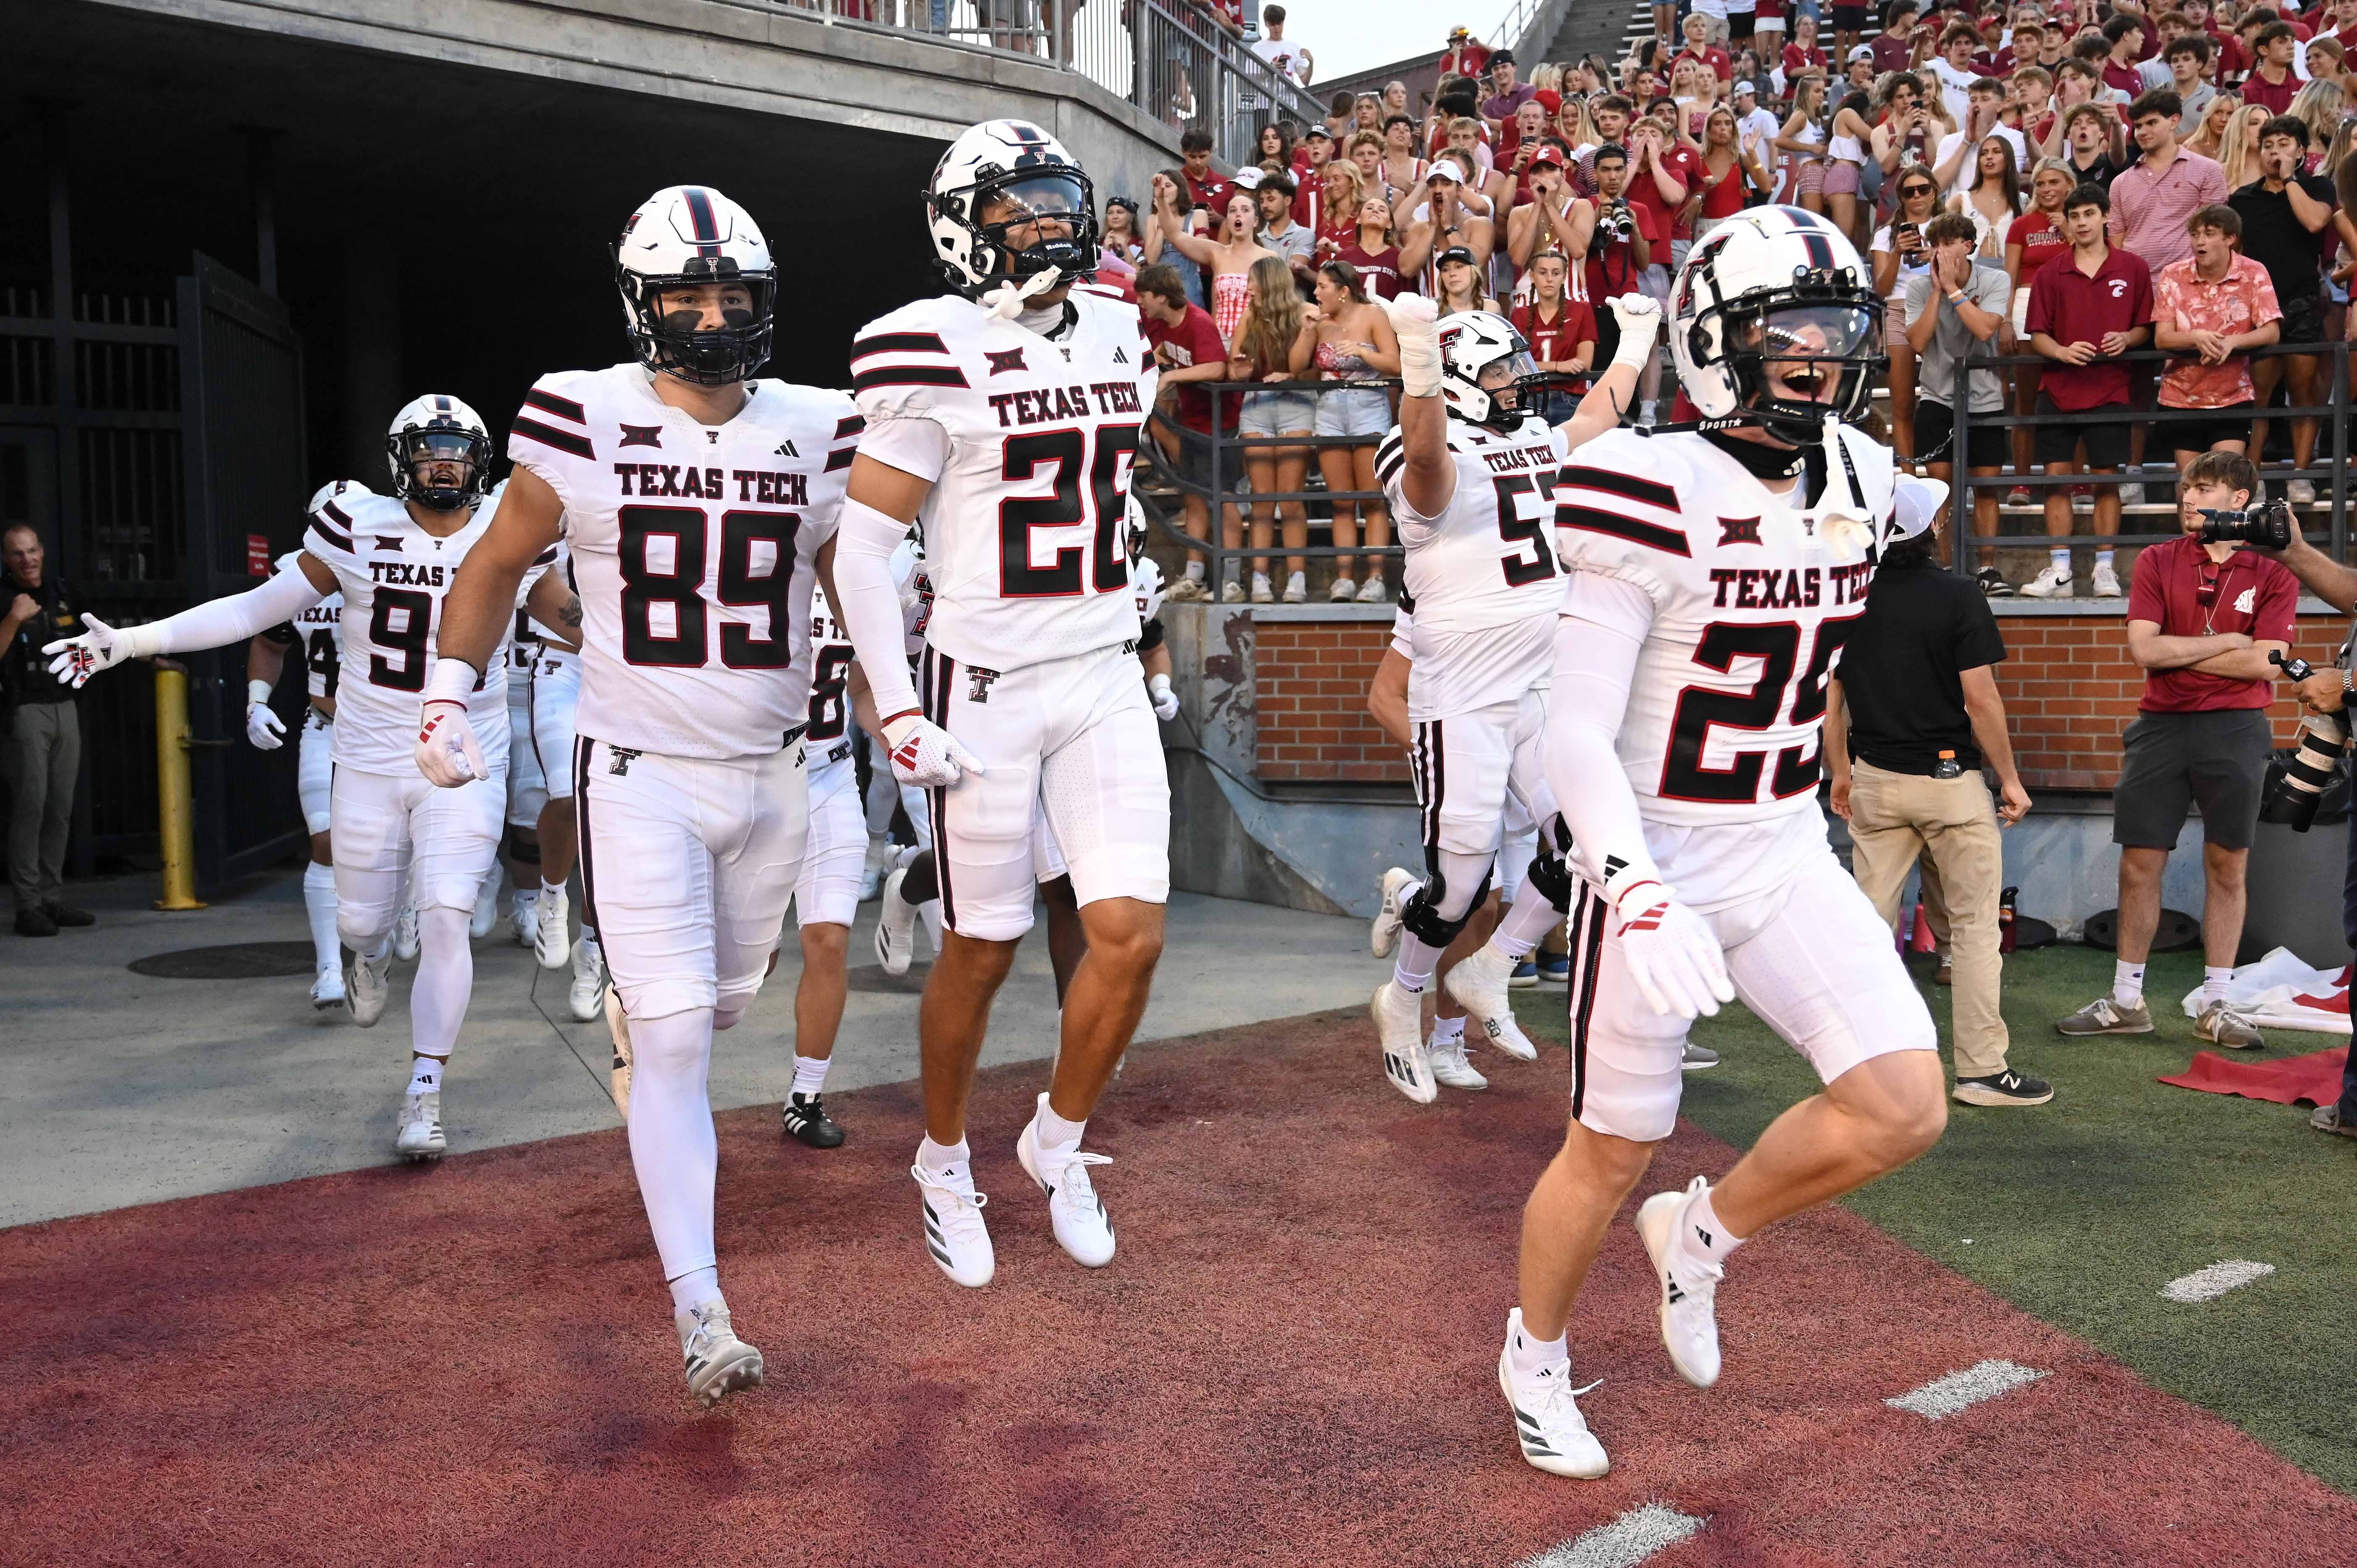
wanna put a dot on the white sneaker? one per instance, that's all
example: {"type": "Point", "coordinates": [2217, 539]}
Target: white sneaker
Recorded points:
{"type": "Point", "coordinates": [617, 1027]}
{"type": "Point", "coordinates": [1371, 592]}
{"type": "Point", "coordinates": [717, 1361]}
{"type": "Point", "coordinates": [486, 908]}
{"type": "Point", "coordinates": [1339, 593]}
{"type": "Point", "coordinates": [1449, 1063]}
{"type": "Point", "coordinates": [1187, 591]}
{"type": "Point", "coordinates": [1479, 985]}
{"type": "Point", "coordinates": [1261, 592]}
{"type": "Point", "coordinates": [1233, 594]}
{"type": "Point", "coordinates": [1296, 589]}
{"type": "Point", "coordinates": [419, 1133]}
{"type": "Point", "coordinates": [954, 1233]}
{"type": "Point", "coordinates": [404, 933]}
{"type": "Point", "coordinates": [1399, 1030]}
{"type": "Point", "coordinates": [552, 927]}
{"type": "Point", "coordinates": [2300, 492]}
{"type": "Point", "coordinates": [1077, 1215]}
{"type": "Point", "coordinates": [1383, 935]}
{"type": "Point", "coordinates": [523, 913]}
{"type": "Point", "coordinates": [2132, 495]}
{"type": "Point", "coordinates": [1689, 1290]}
{"type": "Point", "coordinates": [896, 926]}
{"type": "Point", "coordinates": [368, 985]}
{"type": "Point", "coordinates": [328, 988]}
{"type": "Point", "coordinates": [588, 997]}
{"type": "Point", "coordinates": [1547, 1423]}
{"type": "Point", "coordinates": [2054, 583]}
{"type": "Point", "coordinates": [2106, 582]}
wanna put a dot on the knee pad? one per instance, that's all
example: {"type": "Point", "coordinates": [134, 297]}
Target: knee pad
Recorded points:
{"type": "Point", "coordinates": [1549, 877]}
{"type": "Point", "coordinates": [518, 848]}
{"type": "Point", "coordinates": [1421, 916]}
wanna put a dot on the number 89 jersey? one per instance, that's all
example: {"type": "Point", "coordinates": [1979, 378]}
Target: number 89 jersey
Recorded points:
{"type": "Point", "coordinates": [1750, 608]}
{"type": "Point", "coordinates": [694, 549]}
{"type": "Point", "coordinates": [1481, 576]}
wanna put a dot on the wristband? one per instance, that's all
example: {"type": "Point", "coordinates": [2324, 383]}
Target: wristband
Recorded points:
{"type": "Point", "coordinates": [258, 692]}
{"type": "Point", "coordinates": [144, 641]}
{"type": "Point", "coordinates": [453, 681]}
{"type": "Point", "coordinates": [1635, 350]}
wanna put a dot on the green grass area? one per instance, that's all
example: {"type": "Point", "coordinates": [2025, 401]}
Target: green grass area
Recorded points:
{"type": "Point", "coordinates": [2080, 1210]}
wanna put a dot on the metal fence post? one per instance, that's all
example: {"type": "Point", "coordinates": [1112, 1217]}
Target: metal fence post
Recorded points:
{"type": "Point", "coordinates": [1961, 543]}
{"type": "Point", "coordinates": [1215, 537]}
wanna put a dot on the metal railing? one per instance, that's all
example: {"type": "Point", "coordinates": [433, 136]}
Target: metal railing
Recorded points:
{"type": "Point", "coordinates": [1168, 57]}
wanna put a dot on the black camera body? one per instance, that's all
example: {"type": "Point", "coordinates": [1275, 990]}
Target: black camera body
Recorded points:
{"type": "Point", "coordinates": [2267, 525]}
{"type": "Point", "coordinates": [1616, 223]}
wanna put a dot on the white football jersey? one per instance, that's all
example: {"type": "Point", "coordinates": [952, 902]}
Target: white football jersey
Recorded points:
{"type": "Point", "coordinates": [1751, 602]}
{"type": "Point", "coordinates": [693, 548]}
{"type": "Point", "coordinates": [1024, 527]}
{"type": "Point", "coordinates": [395, 577]}
{"type": "Point", "coordinates": [1146, 585]}
{"type": "Point", "coordinates": [318, 634]}
{"type": "Point", "coordinates": [528, 650]}
{"type": "Point", "coordinates": [1480, 580]}
{"type": "Point", "coordinates": [831, 657]}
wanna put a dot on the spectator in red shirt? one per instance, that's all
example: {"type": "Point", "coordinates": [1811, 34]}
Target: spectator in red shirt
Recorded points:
{"type": "Point", "coordinates": [1662, 176]}
{"type": "Point", "coordinates": [2273, 82]}
{"type": "Point", "coordinates": [2124, 32]}
{"type": "Point", "coordinates": [1561, 331]}
{"type": "Point", "coordinates": [2031, 240]}
{"type": "Point", "coordinates": [1617, 239]}
{"type": "Point", "coordinates": [1463, 56]}
{"type": "Point", "coordinates": [1188, 348]}
{"type": "Point", "coordinates": [2085, 310]}
{"type": "Point", "coordinates": [2202, 620]}
{"type": "Point", "coordinates": [1698, 48]}
{"type": "Point", "coordinates": [1803, 54]}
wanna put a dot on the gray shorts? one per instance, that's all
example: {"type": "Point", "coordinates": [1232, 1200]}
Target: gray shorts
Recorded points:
{"type": "Point", "coordinates": [2218, 757]}
{"type": "Point", "coordinates": [1354, 410]}
{"type": "Point", "coordinates": [1275, 414]}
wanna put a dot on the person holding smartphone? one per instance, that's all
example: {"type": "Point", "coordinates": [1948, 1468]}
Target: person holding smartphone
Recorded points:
{"type": "Point", "coordinates": [1900, 256]}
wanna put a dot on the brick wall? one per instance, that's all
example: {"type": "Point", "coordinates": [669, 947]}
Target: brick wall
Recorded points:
{"type": "Point", "coordinates": [1309, 691]}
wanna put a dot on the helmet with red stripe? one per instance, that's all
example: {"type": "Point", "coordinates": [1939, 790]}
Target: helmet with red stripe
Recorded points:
{"type": "Point", "coordinates": [1774, 321]}
{"type": "Point", "coordinates": [440, 454]}
{"type": "Point", "coordinates": [1002, 182]}
{"type": "Point", "coordinates": [1486, 371]}
{"type": "Point", "coordinates": [690, 238]}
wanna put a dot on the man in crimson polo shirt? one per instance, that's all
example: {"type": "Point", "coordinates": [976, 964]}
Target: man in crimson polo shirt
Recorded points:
{"type": "Point", "coordinates": [1186, 344]}
{"type": "Point", "coordinates": [2202, 622]}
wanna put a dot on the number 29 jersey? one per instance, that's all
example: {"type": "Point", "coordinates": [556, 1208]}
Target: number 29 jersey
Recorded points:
{"type": "Point", "coordinates": [1751, 603]}
{"type": "Point", "coordinates": [1481, 577]}
{"type": "Point", "coordinates": [693, 548]}
{"type": "Point", "coordinates": [1028, 441]}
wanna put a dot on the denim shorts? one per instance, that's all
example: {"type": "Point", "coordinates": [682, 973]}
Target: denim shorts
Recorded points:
{"type": "Point", "coordinates": [1354, 410]}
{"type": "Point", "coordinates": [1275, 414]}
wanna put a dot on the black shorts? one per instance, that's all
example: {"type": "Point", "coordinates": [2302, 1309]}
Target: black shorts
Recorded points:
{"type": "Point", "coordinates": [1983, 445]}
{"type": "Point", "coordinates": [2303, 320]}
{"type": "Point", "coordinates": [2218, 757]}
{"type": "Point", "coordinates": [1849, 19]}
{"type": "Point", "coordinates": [2107, 442]}
{"type": "Point", "coordinates": [1739, 26]}
{"type": "Point", "coordinates": [2232, 423]}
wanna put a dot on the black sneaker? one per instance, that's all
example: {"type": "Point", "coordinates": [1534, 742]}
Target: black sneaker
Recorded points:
{"type": "Point", "coordinates": [806, 1118]}
{"type": "Point", "coordinates": [1993, 584]}
{"type": "Point", "coordinates": [34, 921]}
{"type": "Point", "coordinates": [66, 914]}
{"type": "Point", "coordinates": [2007, 1088]}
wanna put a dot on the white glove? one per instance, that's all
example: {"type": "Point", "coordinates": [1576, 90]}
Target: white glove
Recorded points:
{"type": "Point", "coordinates": [1166, 700]}
{"type": "Point", "coordinates": [74, 659]}
{"type": "Point", "coordinates": [448, 753]}
{"type": "Point", "coordinates": [1639, 318]}
{"type": "Point", "coordinates": [1672, 954]}
{"type": "Point", "coordinates": [1412, 322]}
{"type": "Point", "coordinates": [925, 755]}
{"type": "Point", "coordinates": [262, 727]}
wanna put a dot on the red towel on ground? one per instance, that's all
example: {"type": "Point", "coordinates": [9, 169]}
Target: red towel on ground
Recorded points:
{"type": "Point", "coordinates": [2314, 1078]}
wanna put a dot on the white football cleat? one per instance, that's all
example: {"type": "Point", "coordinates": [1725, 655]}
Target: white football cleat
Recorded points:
{"type": "Point", "coordinates": [1479, 985]}
{"type": "Point", "coordinates": [1399, 1030]}
{"type": "Point", "coordinates": [552, 927]}
{"type": "Point", "coordinates": [1547, 1423]}
{"type": "Point", "coordinates": [587, 998]}
{"type": "Point", "coordinates": [1383, 935]}
{"type": "Point", "coordinates": [896, 926]}
{"type": "Point", "coordinates": [419, 1135]}
{"type": "Point", "coordinates": [328, 988]}
{"type": "Point", "coordinates": [1449, 1063]}
{"type": "Point", "coordinates": [954, 1233]}
{"type": "Point", "coordinates": [523, 913]}
{"type": "Point", "coordinates": [717, 1361]}
{"type": "Point", "coordinates": [404, 933]}
{"type": "Point", "coordinates": [1076, 1213]}
{"type": "Point", "coordinates": [1689, 1290]}
{"type": "Point", "coordinates": [368, 986]}
{"type": "Point", "coordinates": [617, 1025]}
{"type": "Point", "coordinates": [487, 906]}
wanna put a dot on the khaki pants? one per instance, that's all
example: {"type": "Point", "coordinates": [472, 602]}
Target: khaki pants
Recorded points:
{"type": "Point", "coordinates": [1897, 817]}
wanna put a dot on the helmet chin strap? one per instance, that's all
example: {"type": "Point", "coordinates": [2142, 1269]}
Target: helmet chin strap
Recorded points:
{"type": "Point", "coordinates": [1007, 301]}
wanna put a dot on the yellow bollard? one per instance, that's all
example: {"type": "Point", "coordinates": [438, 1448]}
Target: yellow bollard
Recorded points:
{"type": "Point", "coordinates": [175, 807]}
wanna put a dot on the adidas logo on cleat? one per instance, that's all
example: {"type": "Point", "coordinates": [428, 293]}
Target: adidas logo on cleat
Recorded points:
{"type": "Point", "coordinates": [1670, 1280]}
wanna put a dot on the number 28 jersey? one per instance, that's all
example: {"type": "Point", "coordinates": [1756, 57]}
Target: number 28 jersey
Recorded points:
{"type": "Point", "coordinates": [1028, 441]}
{"type": "Point", "coordinates": [1751, 603]}
{"type": "Point", "coordinates": [694, 549]}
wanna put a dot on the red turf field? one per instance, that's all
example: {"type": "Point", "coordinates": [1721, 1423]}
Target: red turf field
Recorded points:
{"type": "Point", "coordinates": [1292, 1361]}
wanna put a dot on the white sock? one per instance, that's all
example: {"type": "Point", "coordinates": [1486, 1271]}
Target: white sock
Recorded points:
{"type": "Point", "coordinates": [2103, 558]}
{"type": "Point", "coordinates": [1446, 1030]}
{"type": "Point", "coordinates": [1418, 959]}
{"type": "Point", "coordinates": [2059, 559]}
{"type": "Point", "coordinates": [943, 1158]}
{"type": "Point", "coordinates": [810, 1074]}
{"type": "Point", "coordinates": [1056, 1136]}
{"type": "Point", "coordinates": [2215, 980]}
{"type": "Point", "coordinates": [673, 1148]}
{"type": "Point", "coordinates": [523, 904]}
{"type": "Point", "coordinates": [1195, 571]}
{"type": "Point", "coordinates": [426, 1074]}
{"type": "Point", "coordinates": [694, 1288]}
{"type": "Point", "coordinates": [1530, 1353]}
{"type": "Point", "coordinates": [2128, 983]}
{"type": "Point", "coordinates": [445, 978]}
{"type": "Point", "coordinates": [319, 903]}
{"type": "Point", "coordinates": [1701, 1238]}
{"type": "Point", "coordinates": [1528, 921]}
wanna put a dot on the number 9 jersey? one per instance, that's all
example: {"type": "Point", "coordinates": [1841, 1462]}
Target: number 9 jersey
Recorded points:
{"type": "Point", "coordinates": [694, 550]}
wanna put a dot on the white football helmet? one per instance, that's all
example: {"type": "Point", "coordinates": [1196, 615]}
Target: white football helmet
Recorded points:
{"type": "Point", "coordinates": [1774, 320]}
{"type": "Point", "coordinates": [686, 235]}
{"type": "Point", "coordinates": [1016, 160]}
{"type": "Point", "coordinates": [1471, 340]}
{"type": "Point", "coordinates": [428, 433]}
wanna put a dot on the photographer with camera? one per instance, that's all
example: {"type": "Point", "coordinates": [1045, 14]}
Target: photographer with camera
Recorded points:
{"type": "Point", "coordinates": [2204, 615]}
{"type": "Point", "coordinates": [1614, 241]}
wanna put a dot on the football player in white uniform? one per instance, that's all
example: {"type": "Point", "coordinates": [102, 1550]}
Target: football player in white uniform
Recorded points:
{"type": "Point", "coordinates": [393, 559]}
{"type": "Point", "coordinates": [827, 894]}
{"type": "Point", "coordinates": [1714, 573]}
{"type": "Point", "coordinates": [1003, 416]}
{"type": "Point", "coordinates": [314, 634]}
{"type": "Point", "coordinates": [694, 498]}
{"type": "Point", "coordinates": [1469, 473]}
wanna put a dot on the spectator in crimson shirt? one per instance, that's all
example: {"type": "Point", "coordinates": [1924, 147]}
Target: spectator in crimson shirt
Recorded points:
{"type": "Point", "coordinates": [2202, 620]}
{"type": "Point", "coordinates": [1561, 332]}
{"type": "Point", "coordinates": [1463, 56]}
{"type": "Point", "coordinates": [2125, 33]}
{"type": "Point", "coordinates": [2274, 82]}
{"type": "Point", "coordinates": [1894, 47]}
{"type": "Point", "coordinates": [1187, 347]}
{"type": "Point", "coordinates": [1698, 48]}
{"type": "Point", "coordinates": [1662, 176]}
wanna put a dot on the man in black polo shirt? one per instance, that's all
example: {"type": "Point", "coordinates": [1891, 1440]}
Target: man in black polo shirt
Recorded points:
{"type": "Point", "coordinates": [2286, 224]}
{"type": "Point", "coordinates": [1911, 717]}
{"type": "Point", "coordinates": [43, 753]}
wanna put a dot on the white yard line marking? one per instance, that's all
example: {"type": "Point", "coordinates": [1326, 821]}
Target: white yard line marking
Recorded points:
{"type": "Point", "coordinates": [1625, 1543]}
{"type": "Point", "coordinates": [2207, 1285]}
{"type": "Point", "coordinates": [1946, 1396]}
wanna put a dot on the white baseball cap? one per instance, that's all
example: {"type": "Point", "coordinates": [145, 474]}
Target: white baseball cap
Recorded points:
{"type": "Point", "coordinates": [1248, 177]}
